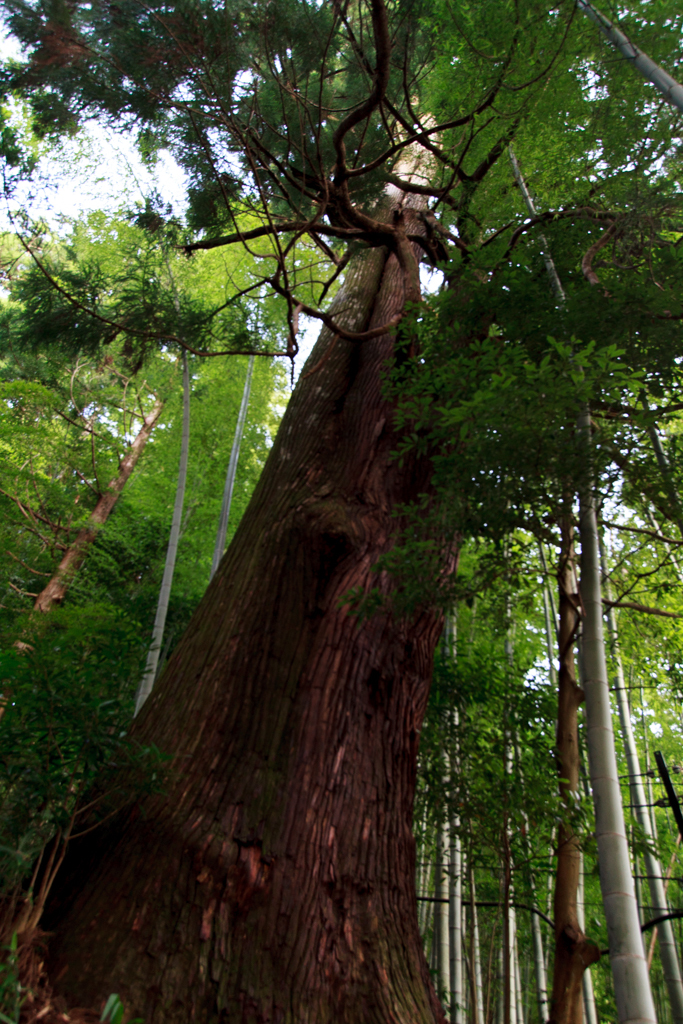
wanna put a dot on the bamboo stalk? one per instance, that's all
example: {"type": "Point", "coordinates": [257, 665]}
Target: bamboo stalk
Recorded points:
{"type": "Point", "coordinates": [519, 1001]}
{"type": "Point", "coordinates": [591, 1014]}
{"type": "Point", "coordinates": [149, 675]}
{"type": "Point", "coordinates": [477, 982]}
{"type": "Point", "coordinates": [667, 944]}
{"type": "Point", "coordinates": [653, 940]}
{"type": "Point", "coordinates": [456, 986]}
{"type": "Point", "coordinates": [629, 968]}
{"type": "Point", "coordinates": [441, 907]}
{"type": "Point", "coordinates": [661, 79]}
{"type": "Point", "coordinates": [232, 472]}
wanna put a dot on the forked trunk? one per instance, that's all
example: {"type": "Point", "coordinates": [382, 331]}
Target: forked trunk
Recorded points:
{"type": "Point", "coordinates": [274, 878]}
{"type": "Point", "coordinates": [573, 952]}
{"type": "Point", "coordinates": [55, 591]}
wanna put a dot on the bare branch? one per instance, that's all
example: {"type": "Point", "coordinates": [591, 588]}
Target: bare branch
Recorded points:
{"type": "Point", "coordinates": [587, 261]}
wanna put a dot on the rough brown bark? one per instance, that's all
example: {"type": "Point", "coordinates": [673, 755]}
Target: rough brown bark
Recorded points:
{"type": "Point", "coordinates": [274, 879]}
{"type": "Point", "coordinates": [573, 951]}
{"type": "Point", "coordinates": [55, 590]}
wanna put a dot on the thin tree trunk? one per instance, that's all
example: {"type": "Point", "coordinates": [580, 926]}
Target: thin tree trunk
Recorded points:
{"type": "Point", "coordinates": [456, 943]}
{"type": "Point", "coordinates": [653, 869]}
{"type": "Point", "coordinates": [653, 939]}
{"type": "Point", "coordinates": [232, 472]}
{"type": "Point", "coordinates": [55, 591]}
{"type": "Point", "coordinates": [149, 675]}
{"type": "Point", "coordinates": [550, 620]}
{"type": "Point", "coordinates": [648, 768]}
{"type": "Point", "coordinates": [539, 968]}
{"type": "Point", "coordinates": [422, 883]}
{"type": "Point", "coordinates": [637, 880]}
{"type": "Point", "coordinates": [489, 978]}
{"type": "Point", "coordinates": [551, 270]}
{"type": "Point", "coordinates": [591, 1015]}
{"type": "Point", "coordinates": [441, 910]}
{"type": "Point", "coordinates": [573, 952]}
{"type": "Point", "coordinates": [519, 993]}
{"type": "Point", "coordinates": [534, 920]}
{"type": "Point", "coordinates": [273, 878]}
{"type": "Point", "coordinates": [477, 980]}
{"type": "Point", "coordinates": [455, 873]}
{"type": "Point", "coordinates": [512, 962]}
{"type": "Point", "coordinates": [500, 1005]}
{"type": "Point", "coordinates": [508, 1000]}
{"type": "Point", "coordinates": [661, 79]}
{"type": "Point", "coordinates": [629, 969]}
{"type": "Point", "coordinates": [466, 996]}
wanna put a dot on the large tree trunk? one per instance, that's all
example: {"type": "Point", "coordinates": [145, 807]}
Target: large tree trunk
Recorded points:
{"type": "Point", "coordinates": [274, 879]}
{"type": "Point", "coordinates": [573, 952]}
{"type": "Point", "coordinates": [55, 591]}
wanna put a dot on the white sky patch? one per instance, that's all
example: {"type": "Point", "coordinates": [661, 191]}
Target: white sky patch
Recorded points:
{"type": "Point", "coordinates": [309, 329]}
{"type": "Point", "coordinates": [97, 169]}
{"type": "Point", "coordinates": [431, 280]}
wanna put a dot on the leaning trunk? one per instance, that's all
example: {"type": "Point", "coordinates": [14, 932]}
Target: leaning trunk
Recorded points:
{"type": "Point", "coordinates": [671, 90]}
{"type": "Point", "coordinates": [273, 879]}
{"type": "Point", "coordinates": [55, 591]}
{"type": "Point", "coordinates": [573, 952]}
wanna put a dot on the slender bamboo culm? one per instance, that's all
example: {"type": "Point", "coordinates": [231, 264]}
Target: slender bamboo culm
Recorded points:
{"type": "Point", "coordinates": [653, 869]}
{"type": "Point", "coordinates": [661, 79]}
{"type": "Point", "coordinates": [232, 472]}
{"type": "Point", "coordinates": [632, 990]}
{"type": "Point", "coordinates": [590, 1011]}
{"type": "Point", "coordinates": [149, 675]}
{"type": "Point", "coordinates": [629, 967]}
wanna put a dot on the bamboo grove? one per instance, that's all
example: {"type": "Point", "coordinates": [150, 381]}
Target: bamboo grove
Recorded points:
{"type": "Point", "coordinates": [361, 702]}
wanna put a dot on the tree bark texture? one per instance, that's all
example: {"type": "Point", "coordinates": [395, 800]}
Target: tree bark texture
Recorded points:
{"type": "Point", "coordinates": [55, 591]}
{"type": "Point", "coordinates": [573, 952]}
{"type": "Point", "coordinates": [274, 879]}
